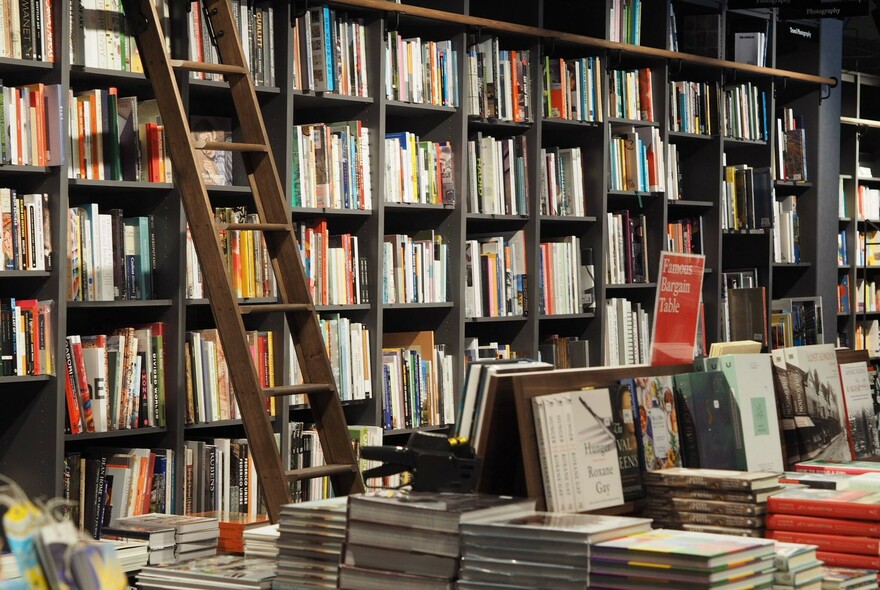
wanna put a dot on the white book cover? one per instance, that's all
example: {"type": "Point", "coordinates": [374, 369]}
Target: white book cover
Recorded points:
{"type": "Point", "coordinates": [861, 418]}
{"type": "Point", "coordinates": [597, 467]}
{"type": "Point", "coordinates": [94, 353]}
{"type": "Point", "coordinates": [543, 435]}
{"type": "Point", "coordinates": [751, 380]}
{"type": "Point", "coordinates": [105, 269]}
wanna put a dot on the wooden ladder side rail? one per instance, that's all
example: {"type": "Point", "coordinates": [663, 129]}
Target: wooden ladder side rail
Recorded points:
{"type": "Point", "coordinates": [286, 262]}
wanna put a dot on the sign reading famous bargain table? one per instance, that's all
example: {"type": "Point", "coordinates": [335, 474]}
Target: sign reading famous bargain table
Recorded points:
{"type": "Point", "coordinates": [677, 308]}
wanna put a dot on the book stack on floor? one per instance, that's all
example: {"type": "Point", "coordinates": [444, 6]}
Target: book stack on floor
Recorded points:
{"type": "Point", "coordinates": [844, 524]}
{"type": "Point", "coordinates": [537, 550]}
{"type": "Point", "coordinates": [171, 538]}
{"type": "Point", "coordinates": [261, 541]}
{"type": "Point", "coordinates": [797, 567]}
{"type": "Point", "coordinates": [233, 525]}
{"type": "Point", "coordinates": [411, 540]}
{"type": "Point", "coordinates": [132, 555]}
{"type": "Point", "coordinates": [710, 500]}
{"type": "Point", "coordinates": [843, 578]}
{"type": "Point", "coordinates": [681, 559]}
{"type": "Point", "coordinates": [230, 572]}
{"type": "Point", "coordinates": [310, 543]}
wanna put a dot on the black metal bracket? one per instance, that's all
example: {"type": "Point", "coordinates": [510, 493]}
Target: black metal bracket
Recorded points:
{"type": "Point", "coordinates": [549, 45]}
{"type": "Point", "coordinates": [826, 89]}
{"type": "Point", "coordinates": [300, 7]}
{"type": "Point", "coordinates": [614, 64]}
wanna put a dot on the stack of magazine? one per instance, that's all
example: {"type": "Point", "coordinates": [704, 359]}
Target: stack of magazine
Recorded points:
{"type": "Point", "coordinates": [261, 541]}
{"type": "Point", "coordinates": [310, 543]}
{"type": "Point", "coordinates": [539, 549]}
{"type": "Point", "coordinates": [230, 572]}
{"type": "Point", "coordinates": [171, 538]}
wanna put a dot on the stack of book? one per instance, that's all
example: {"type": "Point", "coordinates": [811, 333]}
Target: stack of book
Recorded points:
{"type": "Point", "coordinates": [171, 538]}
{"type": "Point", "coordinates": [411, 540]}
{"type": "Point", "coordinates": [540, 549]}
{"type": "Point", "coordinates": [839, 578]}
{"type": "Point", "coordinates": [843, 524]}
{"type": "Point", "coordinates": [233, 526]}
{"type": "Point", "coordinates": [261, 541]}
{"type": "Point", "coordinates": [796, 567]}
{"type": "Point", "coordinates": [310, 543]}
{"type": "Point", "coordinates": [666, 558]}
{"type": "Point", "coordinates": [133, 555]}
{"type": "Point", "coordinates": [230, 572]}
{"type": "Point", "coordinates": [710, 500]}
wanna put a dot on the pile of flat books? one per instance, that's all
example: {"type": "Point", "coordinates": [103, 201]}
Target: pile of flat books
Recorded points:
{"type": "Point", "coordinates": [310, 543]}
{"type": "Point", "coordinates": [843, 524]}
{"type": "Point", "coordinates": [232, 528]}
{"type": "Point", "coordinates": [396, 539]}
{"type": "Point", "coordinates": [710, 500]}
{"type": "Point", "coordinates": [682, 559]}
{"type": "Point", "coordinates": [842, 578]}
{"type": "Point", "coordinates": [538, 549]}
{"type": "Point", "coordinates": [229, 572]}
{"type": "Point", "coordinates": [132, 555]}
{"type": "Point", "coordinates": [797, 567]}
{"type": "Point", "coordinates": [262, 541]}
{"type": "Point", "coordinates": [170, 538]}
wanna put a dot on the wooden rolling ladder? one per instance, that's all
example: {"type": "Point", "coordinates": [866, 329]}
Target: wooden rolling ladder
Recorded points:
{"type": "Point", "coordinates": [275, 224]}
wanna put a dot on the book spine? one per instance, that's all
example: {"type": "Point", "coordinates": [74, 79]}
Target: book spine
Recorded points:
{"type": "Point", "coordinates": [830, 509]}
{"type": "Point", "coordinates": [833, 526]}
{"type": "Point", "coordinates": [834, 559]}
{"type": "Point", "coordinates": [836, 543]}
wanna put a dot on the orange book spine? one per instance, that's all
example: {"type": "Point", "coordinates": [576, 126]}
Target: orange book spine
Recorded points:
{"type": "Point", "coordinates": [812, 524]}
{"type": "Point", "coordinates": [848, 560]}
{"type": "Point", "coordinates": [836, 543]}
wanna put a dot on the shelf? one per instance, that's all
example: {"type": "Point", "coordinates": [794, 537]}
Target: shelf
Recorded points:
{"type": "Point", "coordinates": [250, 301]}
{"type": "Point", "coordinates": [843, 314]}
{"type": "Point", "coordinates": [105, 77]}
{"type": "Point", "coordinates": [199, 84]}
{"type": "Point", "coordinates": [846, 176]}
{"type": "Point", "coordinates": [495, 319]}
{"type": "Point", "coordinates": [404, 207]}
{"type": "Point", "coordinates": [125, 303]}
{"type": "Point", "coordinates": [844, 219]}
{"type": "Point", "coordinates": [616, 193]}
{"type": "Point", "coordinates": [684, 135]}
{"type": "Point", "coordinates": [869, 179]}
{"type": "Point", "coordinates": [85, 436]}
{"type": "Point", "coordinates": [327, 100]}
{"type": "Point", "coordinates": [708, 271]}
{"type": "Point", "coordinates": [411, 109]}
{"type": "Point", "coordinates": [330, 212]}
{"type": "Point", "coordinates": [550, 219]}
{"type": "Point", "coordinates": [16, 169]}
{"type": "Point", "coordinates": [736, 141]}
{"type": "Point", "coordinates": [24, 379]}
{"type": "Point", "coordinates": [482, 124]}
{"type": "Point", "coordinates": [24, 274]}
{"type": "Point", "coordinates": [792, 265]}
{"type": "Point", "coordinates": [616, 286]}
{"type": "Point", "coordinates": [686, 204]}
{"type": "Point", "coordinates": [570, 123]}
{"type": "Point", "coordinates": [402, 431]}
{"type": "Point", "coordinates": [797, 185]}
{"type": "Point", "coordinates": [218, 189]}
{"type": "Point", "coordinates": [399, 306]}
{"type": "Point", "coordinates": [117, 185]}
{"type": "Point", "coordinates": [343, 308]}
{"type": "Point", "coordinates": [744, 232]}
{"type": "Point", "coordinates": [587, 315]}
{"type": "Point", "coordinates": [495, 217]}
{"type": "Point", "coordinates": [844, 266]}
{"type": "Point", "coordinates": [618, 122]}
{"type": "Point", "coordinates": [8, 64]}
{"type": "Point", "coordinates": [346, 403]}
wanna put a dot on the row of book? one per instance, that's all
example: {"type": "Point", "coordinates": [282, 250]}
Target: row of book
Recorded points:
{"type": "Point", "coordinates": [116, 381]}
{"type": "Point", "coordinates": [421, 71]}
{"type": "Point", "coordinates": [786, 238]}
{"type": "Point", "coordinates": [104, 485]}
{"type": "Point", "coordinates": [209, 390]}
{"type": "Point", "coordinates": [28, 30]}
{"type": "Point", "coordinates": [348, 345]}
{"type": "Point", "coordinates": [110, 257]}
{"type": "Point", "coordinates": [573, 89]}
{"type": "Point", "coordinates": [637, 159]}
{"type": "Point", "coordinates": [26, 337]}
{"type": "Point", "coordinates": [562, 182]}
{"type": "Point", "coordinates": [631, 95]}
{"type": "Point", "coordinates": [498, 179]}
{"type": "Point", "coordinates": [496, 281]}
{"type": "Point", "coordinates": [692, 107]}
{"type": "Point", "coordinates": [332, 166]}
{"type": "Point", "coordinates": [735, 284]}
{"type": "Point", "coordinates": [747, 198]}
{"type": "Point", "coordinates": [744, 113]}
{"type": "Point", "coordinates": [674, 178]}
{"type": "Point", "coordinates": [255, 24]}
{"type": "Point", "coordinates": [334, 268]}
{"type": "Point", "coordinates": [627, 333]}
{"type": "Point", "coordinates": [566, 277]}
{"type": "Point", "coordinates": [329, 53]}
{"type": "Point", "coordinates": [866, 296]}
{"type": "Point", "coordinates": [220, 475]}
{"type": "Point", "coordinates": [842, 250]}
{"type": "Point", "coordinates": [115, 138]}
{"type": "Point", "coordinates": [867, 203]}
{"type": "Point", "coordinates": [868, 250]}
{"type": "Point", "coordinates": [805, 324]}
{"type": "Point", "coordinates": [498, 82]}
{"type": "Point", "coordinates": [564, 352]}
{"type": "Point", "coordinates": [867, 336]}
{"type": "Point", "coordinates": [418, 171]}
{"type": "Point", "coordinates": [417, 381]}
{"type": "Point", "coordinates": [627, 251]}
{"type": "Point", "coordinates": [101, 38]}
{"type": "Point", "coordinates": [791, 155]}
{"type": "Point", "coordinates": [843, 295]}
{"type": "Point", "coordinates": [25, 230]}
{"type": "Point", "coordinates": [685, 235]}
{"type": "Point", "coordinates": [415, 268]}
{"type": "Point", "coordinates": [32, 125]}
{"type": "Point", "coordinates": [625, 21]}
{"type": "Point", "coordinates": [245, 254]}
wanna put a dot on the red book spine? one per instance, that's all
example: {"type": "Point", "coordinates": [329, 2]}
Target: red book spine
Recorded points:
{"type": "Point", "coordinates": [842, 543]}
{"type": "Point", "coordinates": [151, 466]}
{"type": "Point", "coordinates": [835, 469]}
{"type": "Point", "coordinates": [81, 381]}
{"type": "Point", "coordinates": [848, 560]}
{"type": "Point", "coordinates": [154, 152]}
{"type": "Point", "coordinates": [811, 524]}
{"type": "Point", "coordinates": [830, 508]}
{"type": "Point", "coordinates": [73, 411]}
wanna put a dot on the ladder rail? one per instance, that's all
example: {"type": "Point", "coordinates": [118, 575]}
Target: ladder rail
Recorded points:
{"type": "Point", "coordinates": [282, 246]}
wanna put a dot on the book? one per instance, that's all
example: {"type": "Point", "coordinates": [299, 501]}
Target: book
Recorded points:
{"type": "Point", "coordinates": [839, 578]}
{"type": "Point", "coordinates": [793, 556]}
{"type": "Point", "coordinates": [826, 542]}
{"type": "Point", "coordinates": [713, 479]}
{"type": "Point", "coordinates": [654, 410]}
{"type": "Point", "coordinates": [230, 571]}
{"type": "Point", "coordinates": [853, 504]}
{"type": "Point", "coordinates": [823, 525]}
{"type": "Point", "coordinates": [846, 467]}
{"type": "Point", "coordinates": [858, 396]}
{"type": "Point", "coordinates": [552, 528]}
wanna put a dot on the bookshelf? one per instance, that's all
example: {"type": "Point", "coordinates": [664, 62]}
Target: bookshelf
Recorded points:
{"type": "Point", "coordinates": [32, 439]}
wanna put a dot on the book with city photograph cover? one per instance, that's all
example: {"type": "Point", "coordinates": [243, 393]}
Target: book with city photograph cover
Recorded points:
{"type": "Point", "coordinates": [857, 393]}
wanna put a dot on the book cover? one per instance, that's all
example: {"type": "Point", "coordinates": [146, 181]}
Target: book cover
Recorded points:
{"type": "Point", "coordinates": [859, 401]}
{"type": "Point", "coordinates": [795, 154]}
{"type": "Point", "coordinates": [825, 542]}
{"type": "Point", "coordinates": [594, 449]}
{"type": "Point", "coordinates": [854, 504]}
{"type": "Point", "coordinates": [654, 403]}
{"type": "Point", "coordinates": [215, 165]}
{"type": "Point", "coordinates": [626, 432]}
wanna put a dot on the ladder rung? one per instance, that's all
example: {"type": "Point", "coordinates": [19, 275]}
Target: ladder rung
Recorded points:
{"type": "Point", "coordinates": [230, 146]}
{"type": "Point", "coordinates": [319, 471]}
{"type": "Point", "coordinates": [304, 389]}
{"type": "Point", "coordinates": [270, 307]}
{"type": "Point", "coordinates": [255, 226]}
{"type": "Point", "coordinates": [200, 66]}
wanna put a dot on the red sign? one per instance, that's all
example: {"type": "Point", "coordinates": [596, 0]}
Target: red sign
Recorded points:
{"type": "Point", "coordinates": [677, 308]}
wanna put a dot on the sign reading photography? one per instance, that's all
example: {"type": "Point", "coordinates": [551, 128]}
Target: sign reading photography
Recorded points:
{"type": "Point", "coordinates": [808, 8]}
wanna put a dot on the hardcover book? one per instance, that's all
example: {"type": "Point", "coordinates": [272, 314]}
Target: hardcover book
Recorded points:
{"type": "Point", "coordinates": [215, 165]}
{"type": "Point", "coordinates": [654, 409]}
{"type": "Point", "coordinates": [861, 422]}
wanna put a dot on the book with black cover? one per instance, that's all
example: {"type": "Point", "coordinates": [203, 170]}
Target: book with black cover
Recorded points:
{"type": "Point", "coordinates": [748, 314]}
